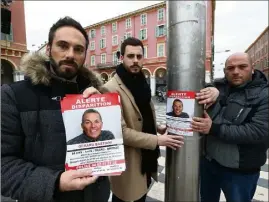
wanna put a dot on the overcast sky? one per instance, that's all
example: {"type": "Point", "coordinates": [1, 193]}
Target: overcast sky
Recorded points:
{"type": "Point", "coordinates": [237, 23]}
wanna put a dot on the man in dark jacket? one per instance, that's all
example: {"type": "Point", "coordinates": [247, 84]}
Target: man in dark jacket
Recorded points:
{"type": "Point", "coordinates": [33, 136]}
{"type": "Point", "coordinates": [236, 133]}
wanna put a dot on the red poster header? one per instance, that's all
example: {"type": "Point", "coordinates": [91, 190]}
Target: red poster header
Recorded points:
{"type": "Point", "coordinates": [73, 102]}
{"type": "Point", "coordinates": [181, 94]}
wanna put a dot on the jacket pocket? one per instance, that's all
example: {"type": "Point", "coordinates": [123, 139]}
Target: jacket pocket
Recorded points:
{"type": "Point", "coordinates": [236, 112]}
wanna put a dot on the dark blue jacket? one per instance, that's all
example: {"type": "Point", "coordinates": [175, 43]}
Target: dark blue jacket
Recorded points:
{"type": "Point", "coordinates": [239, 137]}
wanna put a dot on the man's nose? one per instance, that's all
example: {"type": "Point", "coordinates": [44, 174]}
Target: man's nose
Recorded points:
{"type": "Point", "coordinates": [135, 59]}
{"type": "Point", "coordinates": [93, 125]}
{"type": "Point", "coordinates": [70, 53]}
{"type": "Point", "coordinates": [236, 70]}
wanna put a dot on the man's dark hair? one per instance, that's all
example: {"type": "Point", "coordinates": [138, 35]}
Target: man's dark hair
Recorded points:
{"type": "Point", "coordinates": [67, 22]}
{"type": "Point", "coordinates": [88, 111]}
{"type": "Point", "coordinates": [177, 100]}
{"type": "Point", "coordinates": [131, 41]}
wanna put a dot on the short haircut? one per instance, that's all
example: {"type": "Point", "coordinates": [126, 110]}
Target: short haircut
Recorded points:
{"type": "Point", "coordinates": [131, 41]}
{"type": "Point", "coordinates": [67, 22]}
{"type": "Point", "coordinates": [89, 111]}
{"type": "Point", "coordinates": [177, 100]}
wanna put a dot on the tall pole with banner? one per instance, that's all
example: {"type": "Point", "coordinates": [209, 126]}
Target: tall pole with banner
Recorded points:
{"type": "Point", "coordinates": [186, 41]}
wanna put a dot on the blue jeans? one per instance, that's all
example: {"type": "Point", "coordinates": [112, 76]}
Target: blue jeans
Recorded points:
{"type": "Point", "coordinates": [236, 186]}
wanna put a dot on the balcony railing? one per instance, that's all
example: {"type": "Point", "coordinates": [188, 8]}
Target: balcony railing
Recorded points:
{"type": "Point", "coordinates": [107, 65]}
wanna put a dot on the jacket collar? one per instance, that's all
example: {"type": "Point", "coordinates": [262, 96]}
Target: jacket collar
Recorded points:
{"type": "Point", "coordinates": [251, 89]}
{"type": "Point", "coordinates": [127, 91]}
{"type": "Point", "coordinates": [131, 97]}
{"type": "Point", "coordinates": [35, 67]}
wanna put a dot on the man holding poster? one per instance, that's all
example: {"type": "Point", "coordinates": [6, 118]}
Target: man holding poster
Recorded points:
{"type": "Point", "coordinates": [139, 125]}
{"type": "Point", "coordinates": [33, 136]}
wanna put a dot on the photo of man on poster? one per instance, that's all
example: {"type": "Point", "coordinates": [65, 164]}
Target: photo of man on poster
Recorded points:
{"type": "Point", "coordinates": [91, 125]}
{"type": "Point", "coordinates": [177, 110]}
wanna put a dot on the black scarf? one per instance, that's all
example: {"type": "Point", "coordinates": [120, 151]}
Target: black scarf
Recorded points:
{"type": "Point", "coordinates": [141, 92]}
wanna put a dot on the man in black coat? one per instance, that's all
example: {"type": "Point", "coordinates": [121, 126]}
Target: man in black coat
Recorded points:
{"type": "Point", "coordinates": [33, 139]}
{"type": "Point", "coordinates": [236, 133]}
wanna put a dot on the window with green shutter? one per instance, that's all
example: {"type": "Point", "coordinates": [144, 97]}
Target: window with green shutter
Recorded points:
{"type": "Point", "coordinates": [102, 43]}
{"type": "Point", "coordinates": [143, 34]}
{"type": "Point", "coordinates": [160, 31]}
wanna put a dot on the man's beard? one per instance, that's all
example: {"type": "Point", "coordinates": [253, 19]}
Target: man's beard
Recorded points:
{"type": "Point", "coordinates": [67, 74]}
{"type": "Point", "coordinates": [129, 69]}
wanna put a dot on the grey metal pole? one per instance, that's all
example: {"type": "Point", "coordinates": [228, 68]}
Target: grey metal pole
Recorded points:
{"type": "Point", "coordinates": [186, 72]}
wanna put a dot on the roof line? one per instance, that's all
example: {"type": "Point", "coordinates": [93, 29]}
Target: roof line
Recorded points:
{"type": "Point", "coordinates": [126, 15]}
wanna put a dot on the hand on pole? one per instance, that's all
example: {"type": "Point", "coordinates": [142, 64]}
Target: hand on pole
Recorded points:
{"type": "Point", "coordinates": [207, 96]}
{"type": "Point", "coordinates": [202, 125]}
{"type": "Point", "coordinates": [172, 141]}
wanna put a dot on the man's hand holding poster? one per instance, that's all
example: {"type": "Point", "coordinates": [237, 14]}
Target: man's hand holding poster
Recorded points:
{"type": "Point", "coordinates": [94, 133]}
{"type": "Point", "coordinates": [180, 110]}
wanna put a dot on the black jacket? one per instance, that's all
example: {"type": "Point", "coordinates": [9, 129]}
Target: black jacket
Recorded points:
{"type": "Point", "coordinates": [33, 141]}
{"type": "Point", "coordinates": [239, 137]}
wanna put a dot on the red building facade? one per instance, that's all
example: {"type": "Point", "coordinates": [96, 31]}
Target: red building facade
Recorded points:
{"type": "Point", "coordinates": [258, 52]}
{"type": "Point", "coordinates": [149, 25]}
{"type": "Point", "coordinates": [13, 45]}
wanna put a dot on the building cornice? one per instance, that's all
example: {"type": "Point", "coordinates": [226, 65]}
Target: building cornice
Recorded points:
{"type": "Point", "coordinates": [15, 49]}
{"type": "Point", "coordinates": [126, 15]}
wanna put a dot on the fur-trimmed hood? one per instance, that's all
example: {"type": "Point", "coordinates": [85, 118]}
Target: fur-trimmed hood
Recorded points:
{"type": "Point", "coordinates": [34, 66]}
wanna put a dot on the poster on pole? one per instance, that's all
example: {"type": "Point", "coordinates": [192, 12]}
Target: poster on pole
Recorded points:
{"type": "Point", "coordinates": [179, 112]}
{"type": "Point", "coordinates": [94, 139]}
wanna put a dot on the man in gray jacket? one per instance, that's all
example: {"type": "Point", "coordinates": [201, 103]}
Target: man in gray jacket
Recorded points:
{"type": "Point", "coordinates": [236, 133]}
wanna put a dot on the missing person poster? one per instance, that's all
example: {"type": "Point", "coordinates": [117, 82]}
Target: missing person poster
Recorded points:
{"type": "Point", "coordinates": [179, 112]}
{"type": "Point", "coordinates": [94, 133]}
